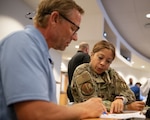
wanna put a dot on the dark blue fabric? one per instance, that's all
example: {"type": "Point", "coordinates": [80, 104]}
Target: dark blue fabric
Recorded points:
{"type": "Point", "coordinates": [136, 91]}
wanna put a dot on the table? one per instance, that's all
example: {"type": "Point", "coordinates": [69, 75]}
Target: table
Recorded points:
{"type": "Point", "coordinates": [116, 119]}
{"type": "Point", "coordinates": [101, 119]}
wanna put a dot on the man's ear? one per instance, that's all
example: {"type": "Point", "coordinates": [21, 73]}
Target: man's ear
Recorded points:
{"type": "Point", "coordinates": [54, 17]}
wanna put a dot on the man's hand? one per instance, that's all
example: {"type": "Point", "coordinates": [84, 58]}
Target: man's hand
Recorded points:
{"type": "Point", "coordinates": [92, 108]}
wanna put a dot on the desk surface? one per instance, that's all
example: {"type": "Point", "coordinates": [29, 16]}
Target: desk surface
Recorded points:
{"type": "Point", "coordinates": [124, 115]}
{"type": "Point", "coordinates": [101, 119]}
{"type": "Point", "coordinates": [115, 119]}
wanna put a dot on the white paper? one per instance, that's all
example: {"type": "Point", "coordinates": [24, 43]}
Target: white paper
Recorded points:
{"type": "Point", "coordinates": [124, 115]}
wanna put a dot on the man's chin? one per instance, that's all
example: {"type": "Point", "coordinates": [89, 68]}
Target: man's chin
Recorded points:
{"type": "Point", "coordinates": [63, 49]}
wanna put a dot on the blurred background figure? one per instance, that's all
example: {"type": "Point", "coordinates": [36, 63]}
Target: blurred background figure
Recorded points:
{"type": "Point", "coordinates": [148, 99]}
{"type": "Point", "coordinates": [144, 89]}
{"type": "Point", "coordinates": [136, 90]}
{"type": "Point", "coordinates": [81, 56]}
{"type": "Point", "coordinates": [130, 82]}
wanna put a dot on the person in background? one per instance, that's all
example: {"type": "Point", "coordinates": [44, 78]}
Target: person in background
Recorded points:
{"type": "Point", "coordinates": [27, 85]}
{"type": "Point", "coordinates": [81, 56]}
{"type": "Point", "coordinates": [98, 79]}
{"type": "Point", "coordinates": [130, 82]}
{"type": "Point", "coordinates": [136, 90]}
{"type": "Point", "coordinates": [148, 99]}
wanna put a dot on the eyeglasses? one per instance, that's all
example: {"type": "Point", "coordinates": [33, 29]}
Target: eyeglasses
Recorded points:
{"type": "Point", "coordinates": [77, 27]}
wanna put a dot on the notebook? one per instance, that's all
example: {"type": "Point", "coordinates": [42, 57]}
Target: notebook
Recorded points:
{"type": "Point", "coordinates": [124, 115]}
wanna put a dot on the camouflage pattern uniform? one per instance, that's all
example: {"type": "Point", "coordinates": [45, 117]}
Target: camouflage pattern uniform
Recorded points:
{"type": "Point", "coordinates": [109, 85]}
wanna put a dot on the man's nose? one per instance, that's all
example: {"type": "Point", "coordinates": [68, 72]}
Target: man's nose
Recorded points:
{"type": "Point", "coordinates": [75, 37]}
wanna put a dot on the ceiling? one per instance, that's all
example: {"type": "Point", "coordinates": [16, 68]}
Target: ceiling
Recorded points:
{"type": "Point", "coordinates": [127, 16]}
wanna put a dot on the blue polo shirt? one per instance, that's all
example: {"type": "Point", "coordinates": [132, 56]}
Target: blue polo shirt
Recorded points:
{"type": "Point", "coordinates": [25, 71]}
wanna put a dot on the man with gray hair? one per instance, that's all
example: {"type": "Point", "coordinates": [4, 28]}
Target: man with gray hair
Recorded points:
{"type": "Point", "coordinates": [81, 56]}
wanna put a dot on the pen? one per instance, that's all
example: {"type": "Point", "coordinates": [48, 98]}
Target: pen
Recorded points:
{"type": "Point", "coordinates": [104, 113]}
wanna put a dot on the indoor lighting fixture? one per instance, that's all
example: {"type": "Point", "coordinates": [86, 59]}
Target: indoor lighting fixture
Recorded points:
{"type": "Point", "coordinates": [132, 62]}
{"type": "Point", "coordinates": [76, 46]}
{"type": "Point", "coordinates": [148, 15]}
{"type": "Point", "coordinates": [105, 34]}
{"type": "Point", "coordinates": [142, 66]}
{"type": "Point", "coordinates": [68, 58]}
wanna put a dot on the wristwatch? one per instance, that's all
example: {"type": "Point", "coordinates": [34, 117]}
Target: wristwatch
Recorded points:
{"type": "Point", "coordinates": [123, 99]}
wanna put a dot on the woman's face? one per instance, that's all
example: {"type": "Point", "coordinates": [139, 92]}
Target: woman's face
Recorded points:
{"type": "Point", "coordinates": [100, 61]}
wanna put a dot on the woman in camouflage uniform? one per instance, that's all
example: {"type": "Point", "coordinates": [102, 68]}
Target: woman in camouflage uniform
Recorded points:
{"type": "Point", "coordinates": [97, 79]}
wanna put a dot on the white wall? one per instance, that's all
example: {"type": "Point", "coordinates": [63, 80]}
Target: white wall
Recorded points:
{"type": "Point", "coordinates": [12, 16]}
{"type": "Point", "coordinates": [56, 58]}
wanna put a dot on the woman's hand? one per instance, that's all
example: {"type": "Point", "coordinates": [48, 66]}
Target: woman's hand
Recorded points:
{"type": "Point", "coordinates": [137, 105]}
{"type": "Point", "coordinates": [117, 106]}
